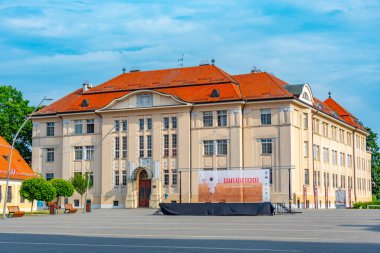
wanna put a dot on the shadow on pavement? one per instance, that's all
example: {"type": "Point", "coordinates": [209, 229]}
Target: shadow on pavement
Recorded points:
{"type": "Point", "coordinates": [62, 243]}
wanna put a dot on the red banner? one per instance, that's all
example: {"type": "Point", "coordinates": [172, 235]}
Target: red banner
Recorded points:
{"type": "Point", "coordinates": [305, 196]}
{"type": "Point", "coordinates": [315, 197]}
{"type": "Point", "coordinates": [349, 197]}
{"type": "Point", "coordinates": [326, 197]}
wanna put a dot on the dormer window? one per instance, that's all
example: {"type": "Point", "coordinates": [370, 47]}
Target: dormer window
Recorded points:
{"type": "Point", "coordinates": [335, 115]}
{"type": "Point", "coordinates": [319, 106]}
{"type": "Point", "coordinates": [215, 93]}
{"type": "Point", "coordinates": [5, 157]}
{"type": "Point", "coordinates": [305, 96]}
{"type": "Point", "coordinates": [145, 100]}
{"type": "Point", "coordinates": [85, 103]}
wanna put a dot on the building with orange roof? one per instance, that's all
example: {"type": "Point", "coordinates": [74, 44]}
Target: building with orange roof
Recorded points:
{"type": "Point", "coordinates": [148, 134]}
{"type": "Point", "coordinates": [20, 171]}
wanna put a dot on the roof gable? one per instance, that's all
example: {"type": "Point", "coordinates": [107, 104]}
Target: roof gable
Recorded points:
{"type": "Point", "coordinates": [19, 168]}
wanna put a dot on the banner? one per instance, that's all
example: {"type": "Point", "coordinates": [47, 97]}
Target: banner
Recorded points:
{"type": "Point", "coordinates": [349, 197]}
{"type": "Point", "coordinates": [315, 196]}
{"type": "Point", "coordinates": [340, 199]}
{"type": "Point", "coordinates": [239, 186]}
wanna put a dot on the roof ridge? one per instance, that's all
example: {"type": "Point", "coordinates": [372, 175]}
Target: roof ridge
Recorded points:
{"type": "Point", "coordinates": [280, 86]}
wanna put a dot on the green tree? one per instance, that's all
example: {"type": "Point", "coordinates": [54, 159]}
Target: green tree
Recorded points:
{"type": "Point", "coordinates": [63, 188]}
{"type": "Point", "coordinates": [37, 189]}
{"type": "Point", "coordinates": [79, 182]}
{"type": "Point", "coordinates": [13, 111]}
{"type": "Point", "coordinates": [373, 147]}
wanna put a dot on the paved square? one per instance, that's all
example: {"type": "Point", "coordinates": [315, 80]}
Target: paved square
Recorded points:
{"type": "Point", "coordinates": [137, 230]}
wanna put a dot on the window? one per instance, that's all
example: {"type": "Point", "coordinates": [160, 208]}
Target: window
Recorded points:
{"type": "Point", "coordinates": [76, 202]}
{"type": "Point", "coordinates": [333, 132]}
{"type": "Point", "coordinates": [141, 146]}
{"type": "Point", "coordinates": [141, 124]}
{"type": "Point", "coordinates": [145, 100]}
{"type": "Point", "coordinates": [349, 161]}
{"type": "Point", "coordinates": [325, 129]}
{"type": "Point", "coordinates": [124, 178]}
{"type": "Point", "coordinates": [341, 135]}
{"type": "Point", "coordinates": [349, 139]}
{"type": "Point", "coordinates": [334, 155]}
{"type": "Point", "coordinates": [117, 148]}
{"type": "Point", "coordinates": [117, 178]}
{"type": "Point", "coordinates": [174, 144]}
{"type": "Point", "coordinates": [49, 176]}
{"type": "Point", "coordinates": [124, 124]}
{"type": "Point", "coordinates": [166, 145]}
{"type": "Point", "coordinates": [316, 153]}
{"type": "Point", "coordinates": [9, 197]}
{"type": "Point", "coordinates": [307, 176]}
{"type": "Point", "coordinates": [149, 123]}
{"type": "Point", "coordinates": [319, 178]}
{"type": "Point", "coordinates": [305, 96]}
{"type": "Point", "coordinates": [90, 126]}
{"type": "Point", "coordinates": [166, 123]}
{"type": "Point", "coordinates": [50, 129]}
{"type": "Point", "coordinates": [78, 126]}
{"type": "Point", "coordinates": [117, 125]}
{"type": "Point", "coordinates": [174, 122]}
{"type": "Point", "coordinates": [1, 193]}
{"type": "Point", "coordinates": [115, 203]}
{"type": "Point", "coordinates": [221, 147]}
{"type": "Point", "coordinates": [325, 155]}
{"type": "Point", "coordinates": [90, 152]}
{"type": "Point", "coordinates": [222, 118]}
{"type": "Point", "coordinates": [124, 144]}
{"type": "Point", "coordinates": [149, 145]}
{"type": "Point", "coordinates": [208, 147]}
{"type": "Point", "coordinates": [78, 153]}
{"type": "Point", "coordinates": [207, 119]}
{"type": "Point", "coordinates": [50, 155]}
{"type": "Point", "coordinates": [22, 199]}
{"type": "Point", "coordinates": [328, 179]}
{"type": "Point", "coordinates": [305, 120]}
{"type": "Point", "coordinates": [91, 177]}
{"type": "Point", "coordinates": [166, 177]}
{"type": "Point", "coordinates": [266, 146]}
{"type": "Point", "coordinates": [341, 159]}
{"type": "Point", "coordinates": [174, 177]}
{"type": "Point", "coordinates": [266, 117]}
{"type": "Point", "coordinates": [305, 149]}
{"type": "Point", "coordinates": [316, 126]}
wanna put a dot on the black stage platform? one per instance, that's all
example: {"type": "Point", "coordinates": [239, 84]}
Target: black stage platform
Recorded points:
{"type": "Point", "coordinates": [217, 209]}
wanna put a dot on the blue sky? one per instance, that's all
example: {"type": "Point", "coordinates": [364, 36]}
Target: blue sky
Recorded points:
{"type": "Point", "coordinates": [51, 47]}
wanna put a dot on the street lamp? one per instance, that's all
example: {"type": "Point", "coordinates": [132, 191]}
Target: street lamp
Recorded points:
{"type": "Point", "coordinates": [10, 155]}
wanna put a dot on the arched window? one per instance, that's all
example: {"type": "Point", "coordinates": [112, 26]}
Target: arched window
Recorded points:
{"type": "Point", "coordinates": [305, 96]}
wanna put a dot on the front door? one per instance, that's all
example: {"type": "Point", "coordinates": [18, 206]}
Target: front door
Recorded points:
{"type": "Point", "coordinates": [144, 192]}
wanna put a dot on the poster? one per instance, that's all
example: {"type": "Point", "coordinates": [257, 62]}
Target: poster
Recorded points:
{"type": "Point", "coordinates": [238, 186]}
{"type": "Point", "coordinates": [340, 199]}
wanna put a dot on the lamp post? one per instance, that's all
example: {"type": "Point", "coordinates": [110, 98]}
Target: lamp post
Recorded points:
{"type": "Point", "coordinates": [11, 153]}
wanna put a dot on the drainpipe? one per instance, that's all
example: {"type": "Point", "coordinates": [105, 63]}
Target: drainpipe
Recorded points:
{"type": "Point", "coordinates": [191, 157]}
{"type": "Point", "coordinates": [312, 155]}
{"type": "Point", "coordinates": [354, 161]}
{"type": "Point", "coordinates": [242, 133]}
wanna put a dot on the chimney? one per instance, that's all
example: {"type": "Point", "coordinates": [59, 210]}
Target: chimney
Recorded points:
{"type": "Point", "coordinates": [86, 85]}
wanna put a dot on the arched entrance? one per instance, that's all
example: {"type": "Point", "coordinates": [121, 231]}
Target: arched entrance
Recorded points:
{"type": "Point", "coordinates": [144, 188]}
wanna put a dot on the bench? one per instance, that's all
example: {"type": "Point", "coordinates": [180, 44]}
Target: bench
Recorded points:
{"type": "Point", "coordinates": [14, 211]}
{"type": "Point", "coordinates": [70, 209]}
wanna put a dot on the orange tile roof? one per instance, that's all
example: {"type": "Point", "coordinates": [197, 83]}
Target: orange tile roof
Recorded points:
{"type": "Point", "coordinates": [190, 84]}
{"type": "Point", "coordinates": [20, 168]}
{"type": "Point", "coordinates": [261, 85]}
{"type": "Point", "coordinates": [153, 79]}
{"type": "Point", "coordinates": [343, 113]}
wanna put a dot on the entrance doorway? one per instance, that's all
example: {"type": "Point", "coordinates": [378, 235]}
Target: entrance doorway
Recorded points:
{"type": "Point", "coordinates": [144, 189]}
